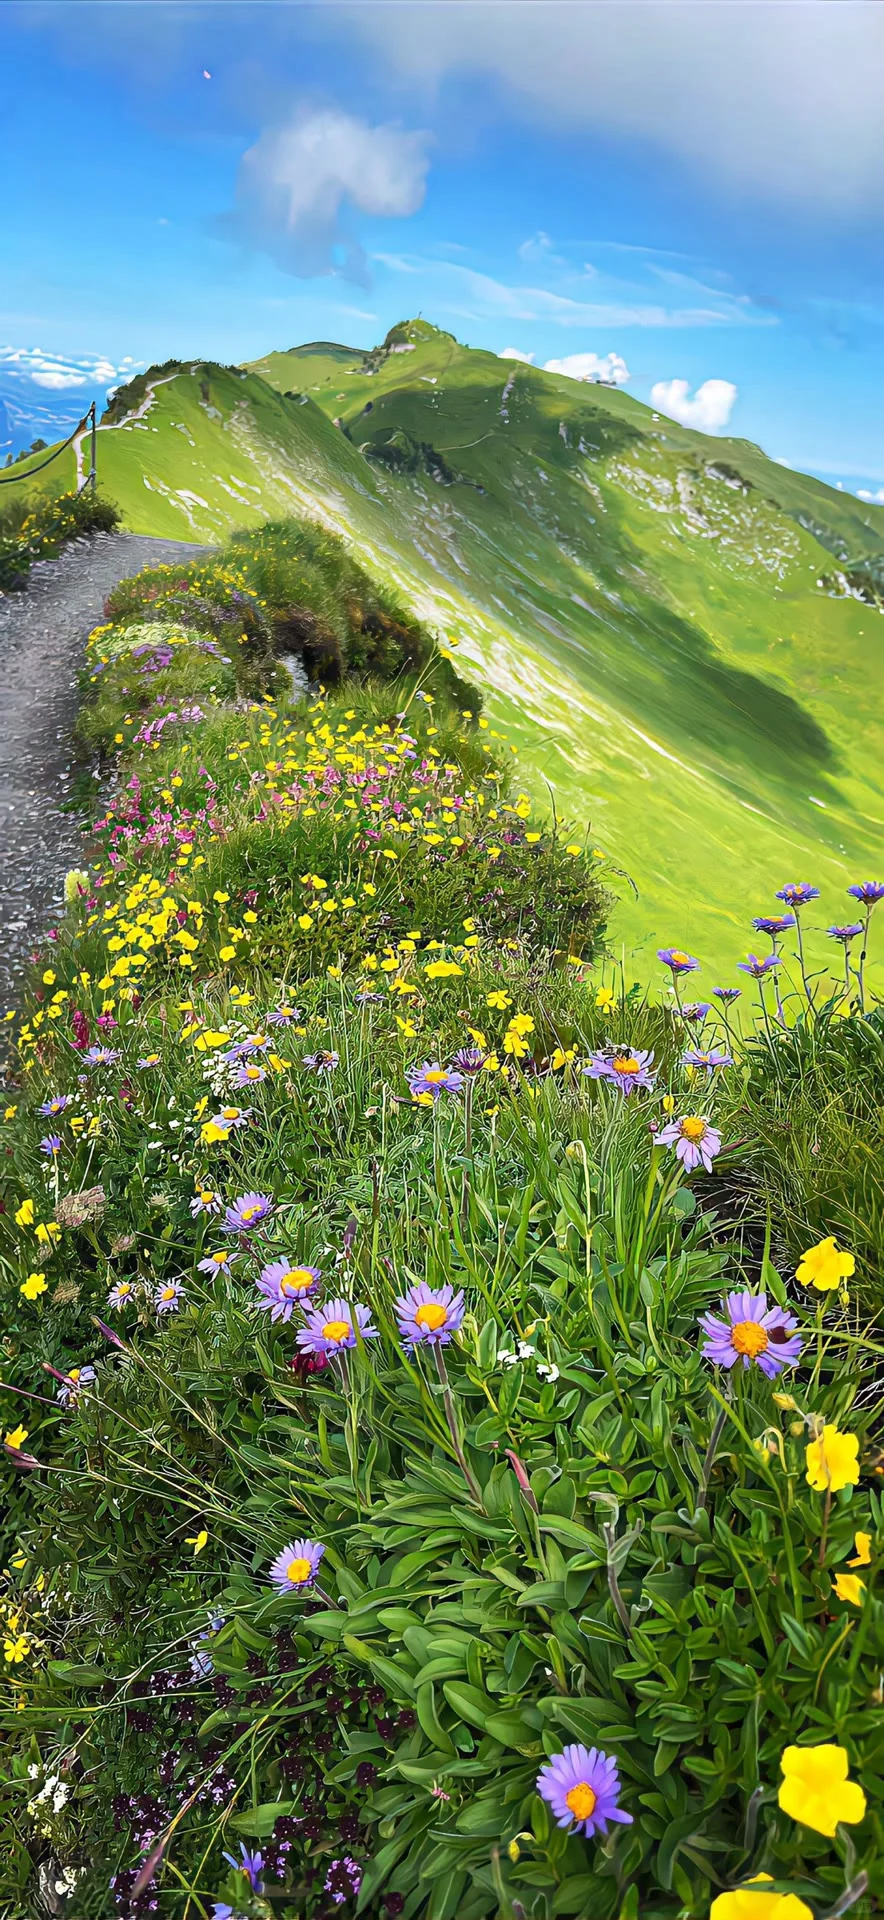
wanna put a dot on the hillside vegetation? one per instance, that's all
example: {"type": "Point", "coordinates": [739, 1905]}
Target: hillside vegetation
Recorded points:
{"type": "Point", "coordinates": [672, 629]}
{"type": "Point", "coordinates": [440, 1389]}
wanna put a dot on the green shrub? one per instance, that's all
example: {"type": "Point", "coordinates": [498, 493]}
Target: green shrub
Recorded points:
{"type": "Point", "coordinates": [37, 529]}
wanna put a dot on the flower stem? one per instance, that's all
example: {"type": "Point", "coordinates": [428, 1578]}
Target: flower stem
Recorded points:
{"type": "Point", "coordinates": [453, 1428]}
{"type": "Point", "coordinates": [709, 1460]}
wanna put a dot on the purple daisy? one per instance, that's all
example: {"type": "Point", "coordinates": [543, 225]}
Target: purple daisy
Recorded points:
{"type": "Point", "coordinates": [284, 1287]}
{"type": "Point", "coordinates": [247, 1212]}
{"type": "Point", "coordinates": [868, 891]}
{"type": "Point", "coordinates": [727, 994]}
{"type": "Point", "coordinates": [73, 1384]}
{"type": "Point", "coordinates": [121, 1293]}
{"type": "Point", "coordinates": [845, 934]}
{"type": "Point", "coordinates": [757, 967]}
{"type": "Point", "coordinates": [250, 1864]}
{"type": "Point", "coordinates": [625, 1067]}
{"type": "Point", "coordinates": [678, 961]}
{"type": "Point", "coordinates": [431, 1080]}
{"type": "Point", "coordinates": [332, 1327]}
{"type": "Point", "coordinates": [149, 1060]}
{"type": "Point", "coordinates": [249, 1074]}
{"type": "Point", "coordinates": [167, 1298]}
{"type": "Point", "coordinates": [50, 1144]}
{"type": "Point", "coordinates": [284, 1017]}
{"type": "Point", "coordinates": [707, 1061]}
{"type": "Point", "coordinates": [468, 1061]}
{"type": "Point", "coordinates": [752, 1331]}
{"type": "Point", "coordinates": [694, 1141]}
{"type": "Point", "coordinates": [100, 1057]}
{"type": "Point", "coordinates": [798, 893]}
{"type": "Point", "coordinates": [52, 1108]}
{"type": "Point", "coordinates": [296, 1566]}
{"type": "Point", "coordinates": [205, 1200]}
{"type": "Point", "coordinates": [774, 923]}
{"type": "Point", "coordinates": [218, 1261]}
{"type": "Point", "coordinates": [229, 1119]}
{"type": "Point", "coordinates": [428, 1316]}
{"type": "Point", "coordinates": [582, 1786]}
{"type": "Point", "coordinates": [696, 1010]}
{"type": "Point", "coordinates": [222, 1910]}
{"type": "Point", "coordinates": [321, 1062]}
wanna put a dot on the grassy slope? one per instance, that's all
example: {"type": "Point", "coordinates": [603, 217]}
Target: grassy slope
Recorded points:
{"type": "Point", "coordinates": [652, 636]}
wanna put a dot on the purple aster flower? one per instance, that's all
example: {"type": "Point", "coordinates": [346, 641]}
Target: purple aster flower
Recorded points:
{"type": "Point", "coordinates": [218, 1261]}
{"type": "Point", "coordinates": [50, 1144]}
{"type": "Point", "coordinates": [678, 961]}
{"type": "Point", "coordinates": [625, 1067]}
{"type": "Point", "coordinates": [205, 1200]}
{"type": "Point", "coordinates": [582, 1786]}
{"type": "Point", "coordinates": [149, 1060]}
{"type": "Point", "coordinates": [727, 994]}
{"type": "Point", "coordinates": [774, 923]}
{"type": "Point", "coordinates": [468, 1061]}
{"type": "Point", "coordinates": [428, 1316]}
{"type": "Point", "coordinates": [868, 891]}
{"type": "Point", "coordinates": [296, 1566]}
{"type": "Point", "coordinates": [167, 1298]}
{"type": "Point", "coordinates": [284, 1017]}
{"type": "Point", "coordinates": [321, 1062]}
{"type": "Point", "coordinates": [121, 1294]}
{"type": "Point", "coordinates": [343, 1880]}
{"type": "Point", "coordinates": [76, 1379]}
{"type": "Point", "coordinates": [798, 893]}
{"type": "Point", "coordinates": [696, 1010]}
{"type": "Point", "coordinates": [100, 1057]}
{"type": "Point", "coordinates": [431, 1080]}
{"type": "Point", "coordinates": [758, 968]}
{"type": "Point", "coordinates": [247, 1212]}
{"type": "Point", "coordinates": [845, 934]}
{"type": "Point", "coordinates": [693, 1139]}
{"type": "Point", "coordinates": [222, 1910]}
{"type": "Point", "coordinates": [250, 1864]}
{"type": "Point", "coordinates": [230, 1118]}
{"type": "Point", "coordinates": [249, 1074]}
{"type": "Point", "coordinates": [708, 1061]}
{"type": "Point", "coordinates": [285, 1286]}
{"type": "Point", "coordinates": [51, 1108]}
{"type": "Point", "coordinates": [752, 1331]}
{"type": "Point", "coordinates": [370, 1000]}
{"type": "Point", "coordinates": [332, 1327]}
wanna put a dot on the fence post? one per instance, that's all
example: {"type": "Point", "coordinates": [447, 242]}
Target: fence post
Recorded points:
{"type": "Point", "coordinates": [92, 471]}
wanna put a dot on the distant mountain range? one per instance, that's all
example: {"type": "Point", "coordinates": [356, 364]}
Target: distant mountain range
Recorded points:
{"type": "Point", "coordinates": [683, 638]}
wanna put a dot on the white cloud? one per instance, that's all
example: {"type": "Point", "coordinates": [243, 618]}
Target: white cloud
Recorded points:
{"type": "Point", "coordinates": [784, 101]}
{"type": "Point", "coordinates": [540, 250]}
{"type": "Point", "coordinates": [707, 409]}
{"type": "Point", "coordinates": [590, 366]}
{"type": "Point", "coordinates": [57, 373]}
{"type": "Point", "coordinates": [298, 182]}
{"type": "Point", "coordinates": [876, 499]}
{"type": "Point", "coordinates": [515, 353]}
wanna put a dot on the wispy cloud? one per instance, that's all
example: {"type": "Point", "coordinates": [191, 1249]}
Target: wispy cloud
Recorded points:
{"type": "Point", "coordinates": [472, 295]}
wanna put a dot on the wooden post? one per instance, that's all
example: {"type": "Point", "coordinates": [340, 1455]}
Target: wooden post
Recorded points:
{"type": "Point", "coordinates": [93, 476]}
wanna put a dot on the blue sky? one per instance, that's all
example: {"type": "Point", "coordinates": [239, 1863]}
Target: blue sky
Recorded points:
{"type": "Point", "coordinates": [696, 190]}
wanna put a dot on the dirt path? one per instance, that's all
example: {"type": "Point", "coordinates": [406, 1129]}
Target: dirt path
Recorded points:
{"type": "Point", "coordinates": [42, 633]}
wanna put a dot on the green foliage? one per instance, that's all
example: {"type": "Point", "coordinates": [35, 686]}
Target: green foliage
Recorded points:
{"type": "Point", "coordinates": [563, 1525]}
{"type": "Point", "coordinates": [37, 529]}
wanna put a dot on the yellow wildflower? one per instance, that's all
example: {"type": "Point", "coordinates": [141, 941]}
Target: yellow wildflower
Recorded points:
{"type": "Point", "coordinates": [832, 1461]}
{"type": "Point", "coordinates": [863, 1545]}
{"type": "Point", "coordinates": [16, 1437]}
{"type": "Point", "coordinates": [751, 1902]}
{"type": "Point", "coordinates": [824, 1267]}
{"type": "Point", "coordinates": [197, 1541]}
{"type": "Point", "coordinates": [33, 1286]}
{"type": "Point", "coordinates": [849, 1586]}
{"type": "Point", "coordinates": [815, 1789]}
{"type": "Point", "coordinates": [25, 1214]}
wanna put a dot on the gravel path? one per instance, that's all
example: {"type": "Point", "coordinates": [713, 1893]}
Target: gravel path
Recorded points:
{"type": "Point", "coordinates": [42, 635]}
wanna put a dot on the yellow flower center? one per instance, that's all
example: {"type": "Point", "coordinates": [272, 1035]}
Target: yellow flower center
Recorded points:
{"type": "Point", "coordinates": [230, 1113]}
{"type": "Point", "coordinates": [749, 1338]}
{"type": "Point", "coordinates": [74, 1374]}
{"type": "Point", "coordinates": [220, 1258]}
{"type": "Point", "coordinates": [435, 1076]}
{"type": "Point", "coordinates": [625, 1063]}
{"type": "Point", "coordinates": [254, 1073]}
{"type": "Point", "coordinates": [168, 1293]}
{"type": "Point", "coordinates": [297, 1281]}
{"type": "Point", "coordinates": [581, 1800]}
{"type": "Point", "coordinates": [677, 955]}
{"type": "Point", "coordinates": [298, 1571]}
{"type": "Point", "coordinates": [336, 1329]}
{"type": "Point", "coordinates": [693, 1128]}
{"type": "Point", "coordinates": [249, 1213]}
{"type": "Point", "coordinates": [431, 1315]}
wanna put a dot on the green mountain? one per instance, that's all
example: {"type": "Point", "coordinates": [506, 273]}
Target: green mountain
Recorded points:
{"type": "Point", "coordinates": [680, 636]}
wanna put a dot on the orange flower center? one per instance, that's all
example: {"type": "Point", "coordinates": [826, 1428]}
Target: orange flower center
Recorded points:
{"type": "Point", "coordinates": [298, 1571]}
{"type": "Point", "coordinates": [749, 1338]}
{"type": "Point", "coordinates": [625, 1063]}
{"type": "Point", "coordinates": [431, 1315]}
{"type": "Point", "coordinates": [693, 1128]}
{"type": "Point", "coordinates": [336, 1329]}
{"type": "Point", "coordinates": [581, 1800]}
{"type": "Point", "coordinates": [297, 1281]}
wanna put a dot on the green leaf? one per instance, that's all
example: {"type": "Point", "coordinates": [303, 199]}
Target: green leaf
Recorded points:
{"type": "Point", "coordinates": [469, 1703]}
